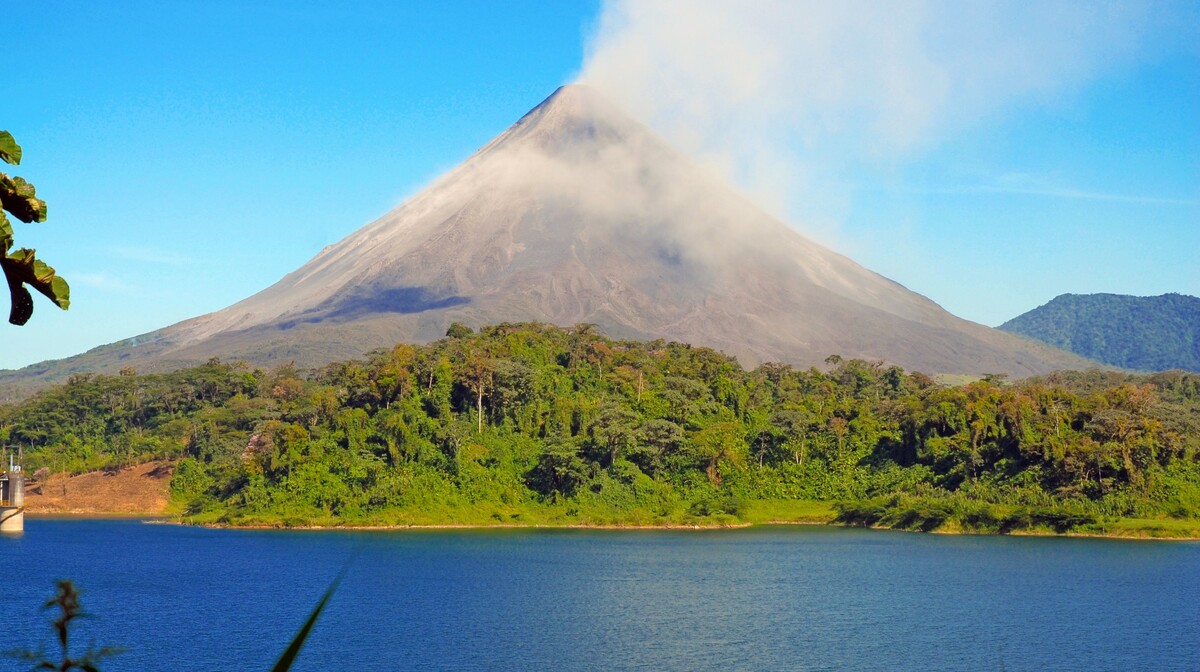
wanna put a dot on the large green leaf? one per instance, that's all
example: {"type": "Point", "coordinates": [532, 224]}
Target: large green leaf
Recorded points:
{"type": "Point", "coordinates": [10, 151]}
{"type": "Point", "coordinates": [6, 233]}
{"type": "Point", "coordinates": [21, 266]}
{"type": "Point", "coordinates": [22, 304]}
{"type": "Point", "coordinates": [20, 198]}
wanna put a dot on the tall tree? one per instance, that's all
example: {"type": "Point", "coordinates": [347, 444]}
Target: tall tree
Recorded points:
{"type": "Point", "coordinates": [478, 370]}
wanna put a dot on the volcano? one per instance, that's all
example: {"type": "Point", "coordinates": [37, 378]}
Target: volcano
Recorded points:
{"type": "Point", "coordinates": [578, 213]}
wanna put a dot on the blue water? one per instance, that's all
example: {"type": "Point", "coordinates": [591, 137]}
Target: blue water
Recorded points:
{"type": "Point", "coordinates": [787, 598]}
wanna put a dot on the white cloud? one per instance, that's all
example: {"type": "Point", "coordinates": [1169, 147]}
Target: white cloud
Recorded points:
{"type": "Point", "coordinates": [151, 255]}
{"type": "Point", "coordinates": [1050, 186]}
{"type": "Point", "coordinates": [102, 281]}
{"type": "Point", "coordinates": [1051, 191]}
{"type": "Point", "coordinates": [787, 97]}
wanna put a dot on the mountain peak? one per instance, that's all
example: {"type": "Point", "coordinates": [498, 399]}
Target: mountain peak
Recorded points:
{"type": "Point", "coordinates": [573, 100]}
{"type": "Point", "coordinates": [579, 213]}
{"type": "Point", "coordinates": [573, 114]}
{"type": "Point", "coordinates": [574, 94]}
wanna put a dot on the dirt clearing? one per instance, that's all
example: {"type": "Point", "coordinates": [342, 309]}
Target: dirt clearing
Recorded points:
{"type": "Point", "coordinates": [134, 490]}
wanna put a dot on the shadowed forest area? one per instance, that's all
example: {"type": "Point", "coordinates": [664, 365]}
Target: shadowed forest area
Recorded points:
{"type": "Point", "coordinates": [531, 424]}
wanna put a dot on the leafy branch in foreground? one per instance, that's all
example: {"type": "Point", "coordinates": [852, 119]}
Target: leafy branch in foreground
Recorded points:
{"type": "Point", "coordinates": [21, 266]}
{"type": "Point", "coordinates": [288, 657]}
{"type": "Point", "coordinates": [66, 599]}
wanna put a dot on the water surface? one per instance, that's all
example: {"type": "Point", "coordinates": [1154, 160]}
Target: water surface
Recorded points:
{"type": "Point", "coordinates": [776, 598]}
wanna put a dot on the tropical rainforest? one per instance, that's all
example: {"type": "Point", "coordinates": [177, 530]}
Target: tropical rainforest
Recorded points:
{"type": "Point", "coordinates": [530, 424]}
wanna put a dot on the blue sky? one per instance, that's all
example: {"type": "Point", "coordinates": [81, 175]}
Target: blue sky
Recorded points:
{"type": "Point", "coordinates": [1096, 192]}
{"type": "Point", "coordinates": [192, 153]}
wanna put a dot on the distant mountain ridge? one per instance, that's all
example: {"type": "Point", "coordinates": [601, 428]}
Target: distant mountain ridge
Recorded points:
{"type": "Point", "coordinates": [1146, 333]}
{"type": "Point", "coordinates": [579, 213]}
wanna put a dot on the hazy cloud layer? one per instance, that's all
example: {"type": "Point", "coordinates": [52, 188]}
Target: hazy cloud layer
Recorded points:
{"type": "Point", "coordinates": [784, 96]}
{"type": "Point", "coordinates": [150, 255]}
{"type": "Point", "coordinates": [103, 281]}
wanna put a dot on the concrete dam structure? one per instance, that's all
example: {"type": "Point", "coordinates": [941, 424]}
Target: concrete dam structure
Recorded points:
{"type": "Point", "coordinates": [12, 499]}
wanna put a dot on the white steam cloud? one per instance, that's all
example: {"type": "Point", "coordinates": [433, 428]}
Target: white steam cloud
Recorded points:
{"type": "Point", "coordinates": [784, 97]}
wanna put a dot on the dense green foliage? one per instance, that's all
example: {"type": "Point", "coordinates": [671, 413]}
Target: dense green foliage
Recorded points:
{"type": "Point", "coordinates": [21, 266]}
{"type": "Point", "coordinates": [1145, 333]}
{"type": "Point", "coordinates": [530, 424]}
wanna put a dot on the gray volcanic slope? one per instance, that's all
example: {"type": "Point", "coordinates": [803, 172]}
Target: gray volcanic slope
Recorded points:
{"type": "Point", "coordinates": [578, 213]}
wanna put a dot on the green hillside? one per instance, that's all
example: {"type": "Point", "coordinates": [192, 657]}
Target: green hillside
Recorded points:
{"type": "Point", "coordinates": [1145, 333]}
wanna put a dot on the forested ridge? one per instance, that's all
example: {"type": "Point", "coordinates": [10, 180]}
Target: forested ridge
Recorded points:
{"type": "Point", "coordinates": [535, 424]}
{"type": "Point", "coordinates": [1145, 333]}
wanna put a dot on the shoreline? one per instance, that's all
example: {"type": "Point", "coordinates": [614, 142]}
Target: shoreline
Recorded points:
{"type": "Point", "coordinates": [670, 528]}
{"type": "Point", "coordinates": [95, 515]}
{"type": "Point", "coordinates": [167, 519]}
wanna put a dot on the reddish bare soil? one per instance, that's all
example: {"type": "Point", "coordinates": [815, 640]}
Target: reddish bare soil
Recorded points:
{"type": "Point", "coordinates": [135, 490]}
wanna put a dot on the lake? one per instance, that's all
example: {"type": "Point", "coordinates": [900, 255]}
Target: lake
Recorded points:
{"type": "Point", "coordinates": [765, 598]}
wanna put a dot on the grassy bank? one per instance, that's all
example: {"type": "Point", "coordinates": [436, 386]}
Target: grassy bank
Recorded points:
{"type": "Point", "coordinates": [530, 515]}
{"type": "Point", "coordinates": [897, 513]}
{"type": "Point", "coordinates": [958, 515]}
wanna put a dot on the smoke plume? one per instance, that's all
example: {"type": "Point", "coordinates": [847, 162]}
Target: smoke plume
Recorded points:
{"type": "Point", "coordinates": [785, 98]}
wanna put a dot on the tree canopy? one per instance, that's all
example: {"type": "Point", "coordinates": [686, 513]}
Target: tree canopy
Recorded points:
{"type": "Point", "coordinates": [1145, 333]}
{"type": "Point", "coordinates": [534, 423]}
